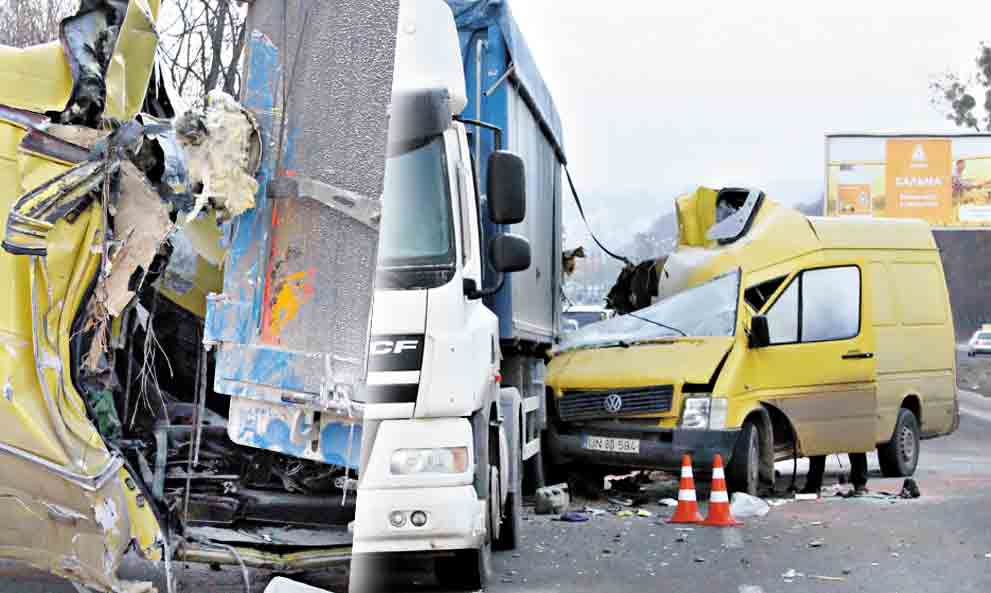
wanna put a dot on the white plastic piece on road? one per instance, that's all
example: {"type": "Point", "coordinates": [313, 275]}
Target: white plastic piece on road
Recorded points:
{"type": "Point", "coordinates": [668, 502]}
{"type": "Point", "coordinates": [750, 589]}
{"type": "Point", "coordinates": [284, 585]}
{"type": "Point", "coordinates": [745, 505]}
{"type": "Point", "coordinates": [806, 496]}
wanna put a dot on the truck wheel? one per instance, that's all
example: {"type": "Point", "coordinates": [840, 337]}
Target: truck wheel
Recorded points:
{"type": "Point", "coordinates": [363, 576]}
{"type": "Point", "coordinates": [743, 471]}
{"type": "Point", "coordinates": [466, 569]}
{"type": "Point", "coordinates": [900, 455]}
{"type": "Point", "coordinates": [509, 531]}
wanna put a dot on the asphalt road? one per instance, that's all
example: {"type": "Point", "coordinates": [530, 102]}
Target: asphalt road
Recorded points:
{"type": "Point", "coordinates": [938, 542]}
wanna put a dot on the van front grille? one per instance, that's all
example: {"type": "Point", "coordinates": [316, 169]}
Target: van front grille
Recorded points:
{"type": "Point", "coordinates": [579, 405]}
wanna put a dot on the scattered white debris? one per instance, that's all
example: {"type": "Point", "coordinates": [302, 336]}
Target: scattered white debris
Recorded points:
{"type": "Point", "coordinates": [750, 589]}
{"type": "Point", "coordinates": [284, 585]}
{"type": "Point", "coordinates": [668, 502]}
{"type": "Point", "coordinates": [806, 496]}
{"type": "Point", "coordinates": [792, 574]}
{"type": "Point", "coordinates": [744, 505]}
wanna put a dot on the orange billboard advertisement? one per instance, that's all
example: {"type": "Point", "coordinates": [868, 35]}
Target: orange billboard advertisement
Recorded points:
{"type": "Point", "coordinates": [854, 198]}
{"type": "Point", "coordinates": [918, 177]}
{"type": "Point", "coordinates": [942, 179]}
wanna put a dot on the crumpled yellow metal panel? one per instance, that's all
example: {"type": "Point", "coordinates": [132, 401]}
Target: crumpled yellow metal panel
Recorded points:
{"type": "Point", "coordinates": [35, 78]}
{"type": "Point", "coordinates": [133, 60]}
{"type": "Point", "coordinates": [696, 213]}
{"type": "Point", "coordinates": [38, 78]}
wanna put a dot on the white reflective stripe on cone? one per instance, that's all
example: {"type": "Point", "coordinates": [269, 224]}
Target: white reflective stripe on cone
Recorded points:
{"type": "Point", "coordinates": [718, 496]}
{"type": "Point", "coordinates": [686, 495]}
{"type": "Point", "coordinates": [717, 473]}
{"type": "Point", "coordinates": [686, 471]}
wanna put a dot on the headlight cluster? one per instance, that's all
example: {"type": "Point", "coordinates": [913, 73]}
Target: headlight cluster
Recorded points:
{"type": "Point", "coordinates": [703, 412]}
{"type": "Point", "coordinates": [446, 460]}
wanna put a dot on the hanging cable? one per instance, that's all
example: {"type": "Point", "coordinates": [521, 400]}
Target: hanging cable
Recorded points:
{"type": "Point", "coordinates": [581, 211]}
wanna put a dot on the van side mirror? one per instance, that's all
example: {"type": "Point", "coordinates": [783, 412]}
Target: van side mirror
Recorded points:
{"type": "Point", "coordinates": [509, 253]}
{"type": "Point", "coordinates": [506, 188]}
{"type": "Point", "coordinates": [760, 334]}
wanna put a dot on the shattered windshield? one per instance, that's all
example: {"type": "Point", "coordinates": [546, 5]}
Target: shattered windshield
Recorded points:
{"type": "Point", "coordinates": [705, 310]}
{"type": "Point", "coordinates": [416, 213]}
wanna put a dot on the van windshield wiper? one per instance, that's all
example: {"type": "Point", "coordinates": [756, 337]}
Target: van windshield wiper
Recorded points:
{"type": "Point", "coordinates": [658, 323]}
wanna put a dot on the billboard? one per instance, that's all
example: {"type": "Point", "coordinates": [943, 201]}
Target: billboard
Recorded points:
{"type": "Point", "coordinates": [944, 180]}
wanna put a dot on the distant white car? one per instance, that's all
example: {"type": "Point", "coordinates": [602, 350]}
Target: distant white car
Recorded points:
{"type": "Point", "coordinates": [578, 316]}
{"type": "Point", "coordinates": [981, 342]}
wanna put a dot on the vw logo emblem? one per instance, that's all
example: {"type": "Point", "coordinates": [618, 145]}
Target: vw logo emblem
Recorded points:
{"type": "Point", "coordinates": [613, 403]}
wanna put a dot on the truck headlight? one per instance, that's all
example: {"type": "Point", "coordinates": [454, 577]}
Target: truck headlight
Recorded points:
{"type": "Point", "coordinates": [696, 413]}
{"type": "Point", "coordinates": [446, 460]}
{"type": "Point", "coordinates": [704, 412]}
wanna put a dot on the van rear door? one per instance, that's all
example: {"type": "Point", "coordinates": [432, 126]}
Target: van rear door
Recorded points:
{"type": "Point", "coordinates": [819, 367]}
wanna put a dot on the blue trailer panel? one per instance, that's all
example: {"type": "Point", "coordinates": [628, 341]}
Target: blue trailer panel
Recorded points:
{"type": "Point", "coordinates": [505, 88]}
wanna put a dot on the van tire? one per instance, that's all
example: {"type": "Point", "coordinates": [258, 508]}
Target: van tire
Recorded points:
{"type": "Point", "coordinates": [743, 471]}
{"type": "Point", "coordinates": [899, 456]}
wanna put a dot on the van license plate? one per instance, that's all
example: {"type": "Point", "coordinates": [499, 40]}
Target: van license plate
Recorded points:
{"type": "Point", "coordinates": [611, 444]}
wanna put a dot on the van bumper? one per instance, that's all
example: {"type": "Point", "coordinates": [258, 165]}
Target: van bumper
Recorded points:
{"type": "Point", "coordinates": [659, 449]}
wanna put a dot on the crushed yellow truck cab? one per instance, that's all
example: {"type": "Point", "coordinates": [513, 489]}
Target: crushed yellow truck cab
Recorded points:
{"type": "Point", "coordinates": [774, 335]}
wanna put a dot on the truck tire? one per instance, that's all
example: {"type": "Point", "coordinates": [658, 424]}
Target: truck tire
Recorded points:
{"type": "Point", "coordinates": [899, 456]}
{"type": "Point", "coordinates": [512, 518]}
{"type": "Point", "coordinates": [365, 575]}
{"type": "Point", "coordinates": [743, 471]}
{"type": "Point", "coordinates": [465, 570]}
{"type": "Point", "coordinates": [470, 569]}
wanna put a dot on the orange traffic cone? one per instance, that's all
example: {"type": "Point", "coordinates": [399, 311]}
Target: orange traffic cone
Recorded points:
{"type": "Point", "coordinates": [719, 511]}
{"type": "Point", "coordinates": [688, 508]}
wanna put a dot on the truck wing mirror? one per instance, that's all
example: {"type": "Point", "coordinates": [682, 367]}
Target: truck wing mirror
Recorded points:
{"type": "Point", "coordinates": [509, 253]}
{"type": "Point", "coordinates": [760, 334]}
{"type": "Point", "coordinates": [506, 188]}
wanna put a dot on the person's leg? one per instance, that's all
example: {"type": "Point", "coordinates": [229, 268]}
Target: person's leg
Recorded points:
{"type": "Point", "coordinates": [858, 470]}
{"type": "Point", "coordinates": [817, 467]}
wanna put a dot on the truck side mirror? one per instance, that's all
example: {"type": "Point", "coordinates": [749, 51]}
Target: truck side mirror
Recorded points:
{"type": "Point", "coordinates": [760, 334]}
{"type": "Point", "coordinates": [509, 253]}
{"type": "Point", "coordinates": [506, 188]}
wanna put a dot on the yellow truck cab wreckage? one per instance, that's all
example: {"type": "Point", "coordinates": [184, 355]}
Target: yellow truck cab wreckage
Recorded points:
{"type": "Point", "coordinates": [773, 335]}
{"type": "Point", "coordinates": [103, 190]}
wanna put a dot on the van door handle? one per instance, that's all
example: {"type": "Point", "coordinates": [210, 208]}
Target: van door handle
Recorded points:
{"type": "Point", "coordinates": [856, 355]}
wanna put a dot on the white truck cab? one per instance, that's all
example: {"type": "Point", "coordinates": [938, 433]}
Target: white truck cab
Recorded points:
{"type": "Point", "coordinates": [440, 463]}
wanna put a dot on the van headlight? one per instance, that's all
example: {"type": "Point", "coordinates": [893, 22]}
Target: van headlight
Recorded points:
{"type": "Point", "coordinates": [445, 460]}
{"type": "Point", "coordinates": [696, 413]}
{"type": "Point", "coordinates": [704, 412]}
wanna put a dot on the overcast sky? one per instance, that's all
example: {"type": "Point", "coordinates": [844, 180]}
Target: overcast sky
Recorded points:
{"type": "Point", "coordinates": [655, 101]}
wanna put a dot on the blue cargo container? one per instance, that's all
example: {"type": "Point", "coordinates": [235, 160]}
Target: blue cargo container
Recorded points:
{"type": "Point", "coordinates": [505, 89]}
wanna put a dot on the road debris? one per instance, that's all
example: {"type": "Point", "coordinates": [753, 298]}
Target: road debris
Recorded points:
{"type": "Point", "coordinates": [552, 500]}
{"type": "Point", "coordinates": [621, 501]}
{"type": "Point", "coordinates": [573, 517]}
{"type": "Point", "coordinates": [594, 512]}
{"type": "Point", "coordinates": [284, 585]}
{"type": "Point", "coordinates": [820, 577]}
{"type": "Point", "coordinates": [644, 513]}
{"type": "Point", "coordinates": [791, 574]}
{"type": "Point", "coordinates": [816, 543]}
{"type": "Point", "coordinates": [806, 496]}
{"type": "Point", "coordinates": [910, 489]}
{"type": "Point", "coordinates": [744, 505]}
{"type": "Point", "coordinates": [668, 502]}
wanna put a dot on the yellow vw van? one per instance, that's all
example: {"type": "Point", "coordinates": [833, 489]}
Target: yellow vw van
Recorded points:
{"type": "Point", "coordinates": [774, 335]}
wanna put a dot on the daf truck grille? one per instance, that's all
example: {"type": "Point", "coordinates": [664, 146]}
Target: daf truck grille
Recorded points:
{"type": "Point", "coordinates": [579, 405]}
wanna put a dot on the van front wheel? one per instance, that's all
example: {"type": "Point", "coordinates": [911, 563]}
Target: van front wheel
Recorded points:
{"type": "Point", "coordinates": [743, 472]}
{"type": "Point", "coordinates": [900, 455]}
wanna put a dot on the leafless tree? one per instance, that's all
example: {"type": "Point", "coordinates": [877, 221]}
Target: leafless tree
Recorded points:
{"type": "Point", "coordinates": [30, 22]}
{"type": "Point", "coordinates": [966, 101]}
{"type": "Point", "coordinates": [202, 46]}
